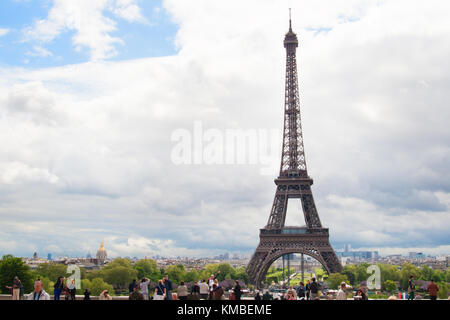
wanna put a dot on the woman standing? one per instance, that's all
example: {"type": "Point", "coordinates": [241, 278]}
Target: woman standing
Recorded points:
{"type": "Point", "coordinates": [58, 288]}
{"type": "Point", "coordinates": [72, 289]}
{"type": "Point", "coordinates": [160, 291]}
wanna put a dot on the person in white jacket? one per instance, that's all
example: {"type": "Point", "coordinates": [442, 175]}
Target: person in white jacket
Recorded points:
{"type": "Point", "coordinates": [342, 295]}
{"type": "Point", "coordinates": [38, 293]}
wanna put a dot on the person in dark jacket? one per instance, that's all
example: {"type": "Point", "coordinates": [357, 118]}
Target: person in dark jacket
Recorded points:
{"type": "Point", "coordinates": [258, 296]}
{"type": "Point", "coordinates": [136, 295]}
{"type": "Point", "coordinates": [132, 285]}
{"type": "Point", "coordinates": [87, 294]}
{"type": "Point", "coordinates": [301, 290]}
{"type": "Point", "coordinates": [195, 289]}
{"type": "Point", "coordinates": [237, 291]}
{"type": "Point", "coordinates": [169, 287]}
{"type": "Point", "coordinates": [308, 290]}
{"type": "Point", "coordinates": [58, 288]}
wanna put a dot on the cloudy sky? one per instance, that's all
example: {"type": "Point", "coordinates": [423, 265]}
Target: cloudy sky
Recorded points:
{"type": "Point", "coordinates": [92, 92]}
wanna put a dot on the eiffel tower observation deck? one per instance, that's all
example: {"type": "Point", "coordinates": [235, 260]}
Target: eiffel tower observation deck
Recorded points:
{"type": "Point", "coordinates": [276, 239]}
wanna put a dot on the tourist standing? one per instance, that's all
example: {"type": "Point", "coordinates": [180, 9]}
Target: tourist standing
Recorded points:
{"type": "Point", "coordinates": [314, 289]}
{"type": "Point", "coordinates": [342, 295]}
{"type": "Point", "coordinates": [433, 290]}
{"type": "Point", "coordinates": [301, 291]}
{"type": "Point", "coordinates": [136, 295]}
{"type": "Point", "coordinates": [195, 291]}
{"type": "Point", "coordinates": [217, 292]}
{"type": "Point", "coordinates": [72, 289]}
{"type": "Point", "coordinates": [411, 288]}
{"type": "Point", "coordinates": [38, 293]}
{"type": "Point", "coordinates": [237, 291]}
{"type": "Point", "coordinates": [104, 295]}
{"type": "Point", "coordinates": [87, 294]}
{"type": "Point", "coordinates": [204, 290]}
{"type": "Point", "coordinates": [169, 287]}
{"type": "Point", "coordinates": [160, 291]}
{"type": "Point", "coordinates": [145, 282]}
{"type": "Point", "coordinates": [58, 288]}
{"type": "Point", "coordinates": [16, 288]}
{"type": "Point", "coordinates": [258, 296]}
{"type": "Point", "coordinates": [131, 286]}
{"type": "Point", "coordinates": [182, 291]}
{"type": "Point", "coordinates": [267, 296]}
{"type": "Point", "coordinates": [308, 290]}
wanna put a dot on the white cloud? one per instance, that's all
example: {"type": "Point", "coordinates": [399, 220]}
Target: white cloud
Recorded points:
{"type": "Point", "coordinates": [87, 18]}
{"type": "Point", "coordinates": [376, 138]}
{"type": "Point", "coordinates": [4, 32]}
{"type": "Point", "coordinates": [38, 51]}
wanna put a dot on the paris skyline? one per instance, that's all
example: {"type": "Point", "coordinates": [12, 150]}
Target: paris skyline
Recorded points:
{"type": "Point", "coordinates": [87, 115]}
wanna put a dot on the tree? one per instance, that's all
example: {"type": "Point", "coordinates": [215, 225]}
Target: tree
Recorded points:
{"type": "Point", "coordinates": [192, 276]}
{"type": "Point", "coordinates": [96, 286]}
{"type": "Point", "coordinates": [350, 272]}
{"type": "Point", "coordinates": [335, 280]}
{"type": "Point", "coordinates": [241, 274]}
{"type": "Point", "coordinates": [426, 273]}
{"type": "Point", "coordinates": [52, 271]}
{"type": "Point", "coordinates": [390, 286]}
{"type": "Point", "coordinates": [147, 268]}
{"type": "Point", "coordinates": [444, 289]}
{"type": "Point", "coordinates": [176, 273]}
{"type": "Point", "coordinates": [408, 270]}
{"type": "Point", "coordinates": [118, 272]}
{"type": "Point", "coordinates": [11, 267]}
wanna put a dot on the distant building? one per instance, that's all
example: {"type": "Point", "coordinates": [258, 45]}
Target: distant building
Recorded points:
{"type": "Point", "coordinates": [49, 257]}
{"type": "Point", "coordinates": [347, 247]}
{"type": "Point", "coordinates": [416, 255]}
{"type": "Point", "coordinates": [35, 256]}
{"type": "Point", "coordinates": [101, 254]}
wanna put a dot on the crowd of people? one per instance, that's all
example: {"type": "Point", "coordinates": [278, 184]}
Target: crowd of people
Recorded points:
{"type": "Point", "coordinates": [206, 289]}
{"type": "Point", "coordinates": [209, 289]}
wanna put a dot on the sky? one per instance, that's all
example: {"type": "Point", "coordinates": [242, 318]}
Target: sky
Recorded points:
{"type": "Point", "coordinates": [95, 94]}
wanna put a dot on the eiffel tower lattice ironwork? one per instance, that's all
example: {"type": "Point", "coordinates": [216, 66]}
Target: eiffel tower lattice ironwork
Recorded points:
{"type": "Point", "coordinates": [276, 239]}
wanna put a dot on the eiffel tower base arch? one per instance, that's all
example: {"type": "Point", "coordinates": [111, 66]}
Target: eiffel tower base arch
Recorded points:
{"type": "Point", "coordinates": [272, 246]}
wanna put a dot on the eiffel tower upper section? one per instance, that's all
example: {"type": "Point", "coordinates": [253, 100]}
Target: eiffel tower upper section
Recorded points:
{"type": "Point", "coordinates": [293, 163]}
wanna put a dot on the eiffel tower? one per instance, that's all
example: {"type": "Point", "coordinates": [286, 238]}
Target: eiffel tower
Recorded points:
{"type": "Point", "coordinates": [276, 239]}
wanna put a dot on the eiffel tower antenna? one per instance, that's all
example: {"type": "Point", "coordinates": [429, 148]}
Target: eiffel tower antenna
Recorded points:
{"type": "Point", "coordinates": [293, 182]}
{"type": "Point", "coordinates": [290, 20]}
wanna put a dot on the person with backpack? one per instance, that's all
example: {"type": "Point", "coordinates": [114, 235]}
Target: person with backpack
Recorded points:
{"type": "Point", "coordinates": [411, 288]}
{"type": "Point", "coordinates": [314, 287]}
